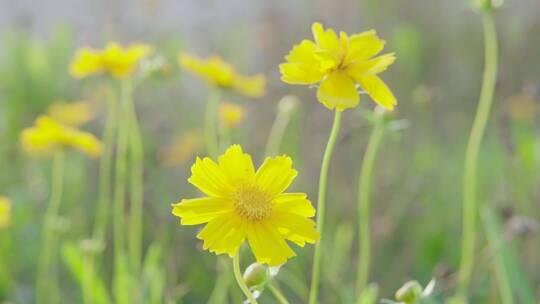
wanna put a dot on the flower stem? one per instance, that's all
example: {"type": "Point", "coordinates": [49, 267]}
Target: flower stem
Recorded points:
{"type": "Point", "coordinates": [120, 189]}
{"type": "Point", "coordinates": [240, 280]}
{"type": "Point", "coordinates": [105, 175]}
{"type": "Point", "coordinates": [364, 189]}
{"type": "Point", "coordinates": [210, 123]}
{"type": "Point", "coordinates": [136, 184]}
{"type": "Point", "coordinates": [280, 297]}
{"type": "Point", "coordinates": [276, 132]}
{"type": "Point", "coordinates": [471, 156]}
{"type": "Point", "coordinates": [47, 276]}
{"type": "Point", "coordinates": [315, 276]}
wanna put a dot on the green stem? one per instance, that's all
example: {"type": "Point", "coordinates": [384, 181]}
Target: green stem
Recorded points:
{"type": "Point", "coordinates": [136, 184]}
{"type": "Point", "coordinates": [105, 175]}
{"type": "Point", "coordinates": [364, 189]}
{"type": "Point", "coordinates": [240, 280]}
{"type": "Point", "coordinates": [47, 285]}
{"type": "Point", "coordinates": [210, 123]}
{"type": "Point", "coordinates": [280, 297]}
{"type": "Point", "coordinates": [471, 156]}
{"type": "Point", "coordinates": [316, 273]}
{"type": "Point", "coordinates": [276, 133]}
{"type": "Point", "coordinates": [120, 190]}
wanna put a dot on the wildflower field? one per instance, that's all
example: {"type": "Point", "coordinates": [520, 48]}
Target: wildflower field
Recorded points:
{"type": "Point", "coordinates": [349, 151]}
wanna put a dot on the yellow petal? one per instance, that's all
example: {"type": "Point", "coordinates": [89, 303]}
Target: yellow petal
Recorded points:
{"type": "Point", "coordinates": [72, 113]}
{"type": "Point", "coordinates": [86, 62]}
{"type": "Point", "coordinates": [296, 203]}
{"type": "Point", "coordinates": [363, 46]}
{"type": "Point", "coordinates": [251, 86]}
{"type": "Point", "coordinates": [224, 234]}
{"type": "Point", "coordinates": [201, 210]}
{"type": "Point", "coordinates": [275, 175]}
{"type": "Point", "coordinates": [378, 91]}
{"type": "Point", "coordinates": [237, 166]}
{"type": "Point", "coordinates": [268, 246]}
{"type": "Point", "coordinates": [326, 39]}
{"type": "Point", "coordinates": [373, 66]}
{"type": "Point", "coordinates": [213, 70]}
{"type": "Point", "coordinates": [296, 228]}
{"type": "Point", "coordinates": [302, 66]}
{"type": "Point", "coordinates": [338, 91]}
{"type": "Point", "coordinates": [5, 211]}
{"type": "Point", "coordinates": [209, 178]}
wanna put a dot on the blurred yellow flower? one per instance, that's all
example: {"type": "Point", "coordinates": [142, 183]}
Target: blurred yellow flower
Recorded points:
{"type": "Point", "coordinates": [230, 114]}
{"type": "Point", "coordinates": [114, 59]}
{"type": "Point", "coordinates": [244, 204]}
{"type": "Point", "coordinates": [182, 149]}
{"type": "Point", "coordinates": [217, 72]}
{"type": "Point", "coordinates": [48, 135]}
{"type": "Point", "coordinates": [72, 113]}
{"type": "Point", "coordinates": [338, 64]}
{"type": "Point", "coordinates": [5, 211]}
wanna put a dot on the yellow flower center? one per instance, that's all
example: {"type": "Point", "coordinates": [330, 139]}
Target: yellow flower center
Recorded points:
{"type": "Point", "coordinates": [252, 203]}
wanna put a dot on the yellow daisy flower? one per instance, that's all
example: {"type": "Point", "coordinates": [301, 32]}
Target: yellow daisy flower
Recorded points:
{"type": "Point", "coordinates": [217, 72]}
{"type": "Point", "coordinates": [5, 211]}
{"type": "Point", "coordinates": [244, 204]}
{"type": "Point", "coordinates": [182, 148]}
{"type": "Point", "coordinates": [72, 113]}
{"type": "Point", "coordinates": [230, 115]}
{"type": "Point", "coordinates": [48, 135]}
{"type": "Point", "coordinates": [338, 65]}
{"type": "Point", "coordinates": [114, 59]}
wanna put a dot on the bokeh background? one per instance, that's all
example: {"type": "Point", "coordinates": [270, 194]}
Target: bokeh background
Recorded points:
{"type": "Point", "coordinates": [416, 213]}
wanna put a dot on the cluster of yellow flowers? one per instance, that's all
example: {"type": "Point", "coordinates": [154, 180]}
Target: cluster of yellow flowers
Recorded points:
{"type": "Point", "coordinates": [48, 135]}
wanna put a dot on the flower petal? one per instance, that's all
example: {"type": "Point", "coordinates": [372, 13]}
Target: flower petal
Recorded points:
{"type": "Point", "coordinates": [378, 91]}
{"type": "Point", "coordinates": [267, 244]}
{"type": "Point", "coordinates": [237, 165]}
{"type": "Point", "coordinates": [302, 66]}
{"type": "Point", "coordinates": [296, 203]}
{"type": "Point", "coordinates": [210, 178]}
{"type": "Point", "coordinates": [86, 62]}
{"type": "Point", "coordinates": [201, 210]}
{"type": "Point", "coordinates": [275, 175]}
{"type": "Point", "coordinates": [363, 46]}
{"type": "Point", "coordinates": [224, 234]}
{"type": "Point", "coordinates": [326, 39]}
{"type": "Point", "coordinates": [296, 228]}
{"type": "Point", "coordinates": [251, 86]}
{"type": "Point", "coordinates": [337, 90]}
{"type": "Point", "coordinates": [373, 66]}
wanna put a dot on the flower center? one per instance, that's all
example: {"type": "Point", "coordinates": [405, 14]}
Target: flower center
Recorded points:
{"type": "Point", "coordinates": [252, 203]}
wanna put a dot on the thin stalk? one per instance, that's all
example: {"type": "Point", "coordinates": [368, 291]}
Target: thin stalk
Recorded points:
{"type": "Point", "coordinates": [276, 132]}
{"type": "Point", "coordinates": [240, 280]}
{"type": "Point", "coordinates": [471, 156]}
{"type": "Point", "coordinates": [364, 189]}
{"type": "Point", "coordinates": [120, 189]}
{"type": "Point", "coordinates": [105, 174]}
{"type": "Point", "coordinates": [222, 282]}
{"type": "Point", "coordinates": [47, 280]}
{"type": "Point", "coordinates": [323, 180]}
{"type": "Point", "coordinates": [280, 297]}
{"type": "Point", "coordinates": [210, 123]}
{"type": "Point", "coordinates": [136, 183]}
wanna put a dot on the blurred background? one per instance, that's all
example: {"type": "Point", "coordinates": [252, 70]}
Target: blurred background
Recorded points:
{"type": "Point", "coordinates": [416, 214]}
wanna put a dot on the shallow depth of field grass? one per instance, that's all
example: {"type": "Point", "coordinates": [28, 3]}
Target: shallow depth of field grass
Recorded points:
{"type": "Point", "coordinates": [434, 199]}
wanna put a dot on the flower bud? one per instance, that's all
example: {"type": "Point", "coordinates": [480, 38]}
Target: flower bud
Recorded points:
{"type": "Point", "coordinates": [487, 5]}
{"type": "Point", "coordinates": [288, 103]}
{"type": "Point", "coordinates": [256, 276]}
{"type": "Point", "coordinates": [409, 292]}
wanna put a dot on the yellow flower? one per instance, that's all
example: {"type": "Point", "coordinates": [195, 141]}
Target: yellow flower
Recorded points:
{"type": "Point", "coordinates": [5, 211]}
{"type": "Point", "coordinates": [230, 114]}
{"type": "Point", "coordinates": [72, 113]}
{"type": "Point", "coordinates": [244, 204]}
{"type": "Point", "coordinates": [338, 64]}
{"type": "Point", "coordinates": [114, 59]}
{"type": "Point", "coordinates": [217, 72]}
{"type": "Point", "coordinates": [48, 135]}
